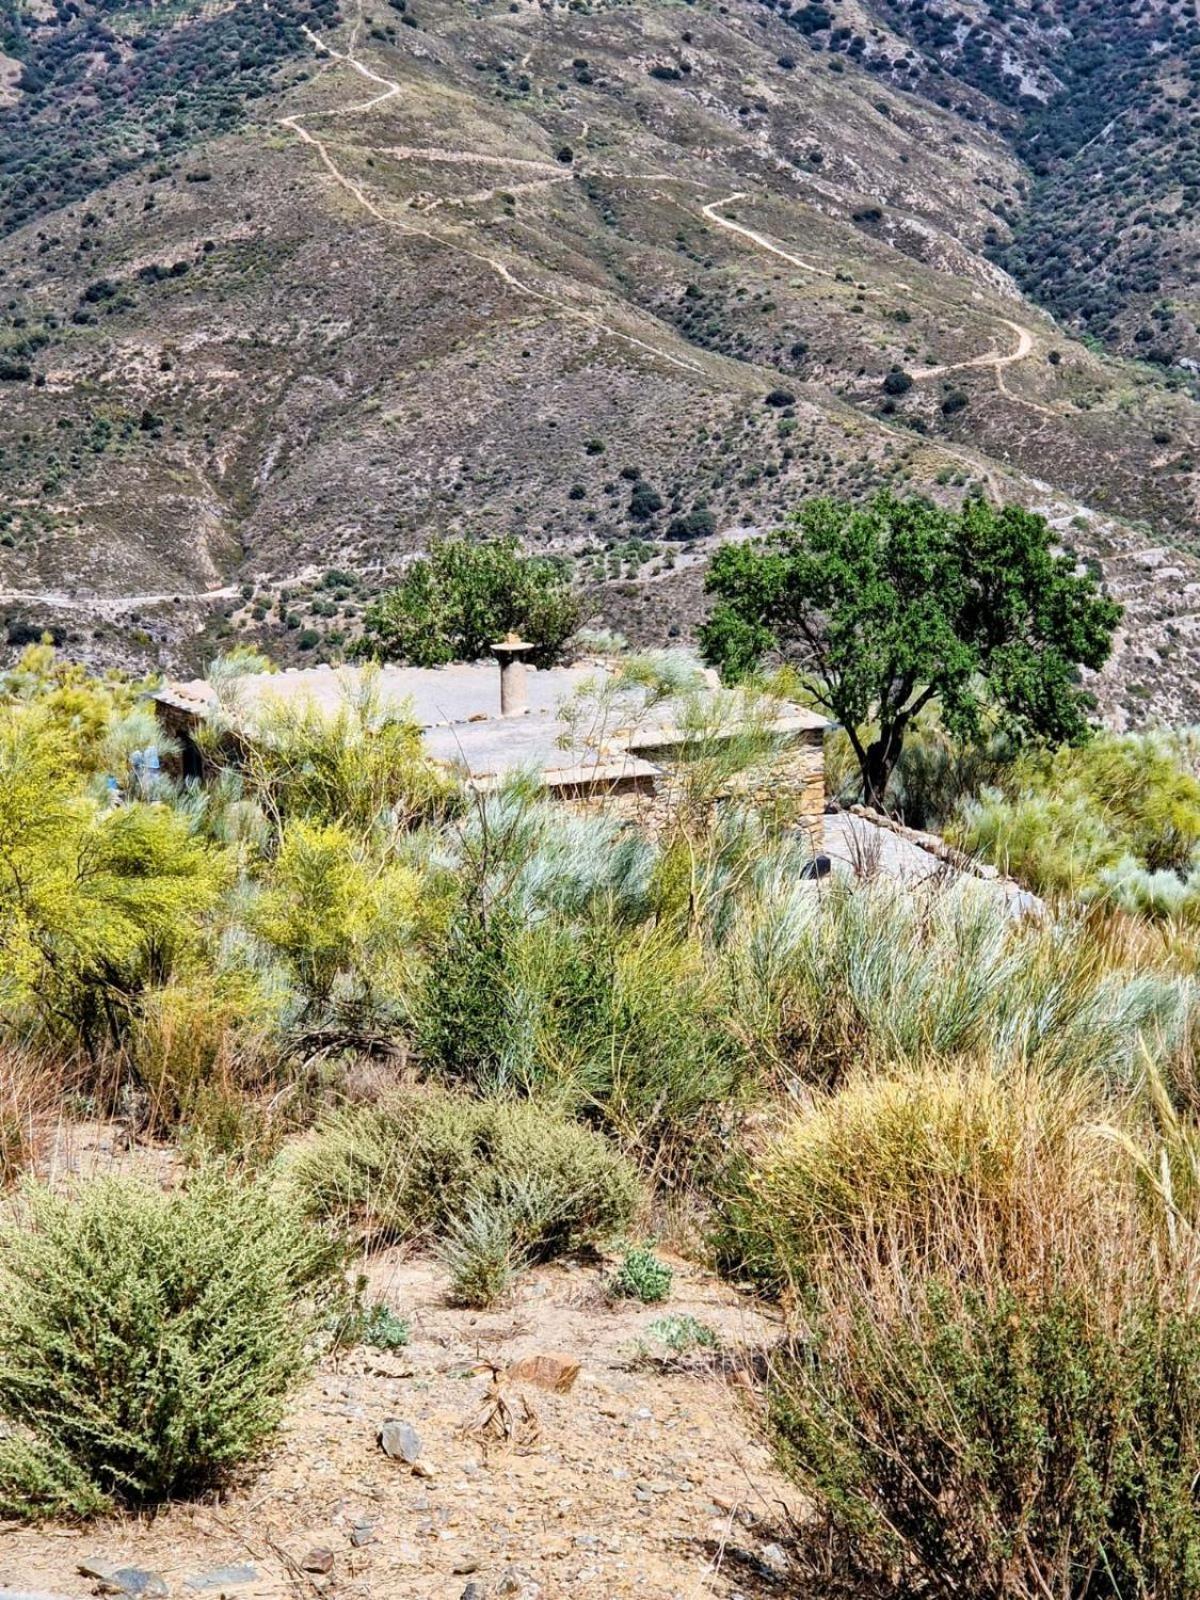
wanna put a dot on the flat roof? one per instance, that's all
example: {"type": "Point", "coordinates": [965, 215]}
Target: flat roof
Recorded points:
{"type": "Point", "coordinates": [458, 709]}
{"type": "Point", "coordinates": [432, 696]}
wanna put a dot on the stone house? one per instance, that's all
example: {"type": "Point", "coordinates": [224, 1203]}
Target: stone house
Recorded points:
{"type": "Point", "coordinates": [589, 737]}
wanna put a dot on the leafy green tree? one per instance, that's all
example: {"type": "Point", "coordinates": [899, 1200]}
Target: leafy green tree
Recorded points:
{"type": "Point", "coordinates": [888, 605]}
{"type": "Point", "coordinates": [453, 604]}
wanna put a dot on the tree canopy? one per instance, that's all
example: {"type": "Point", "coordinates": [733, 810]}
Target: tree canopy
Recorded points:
{"type": "Point", "coordinates": [454, 603]}
{"type": "Point", "coordinates": [886, 606]}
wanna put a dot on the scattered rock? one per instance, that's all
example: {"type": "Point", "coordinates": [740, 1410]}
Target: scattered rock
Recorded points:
{"type": "Point", "coordinates": [548, 1371]}
{"type": "Point", "coordinates": [221, 1578]}
{"type": "Point", "coordinates": [318, 1560]}
{"type": "Point", "coordinates": [517, 1585]}
{"type": "Point", "coordinates": [465, 1565]}
{"type": "Point", "coordinates": [774, 1560]}
{"type": "Point", "coordinates": [362, 1533]}
{"type": "Point", "coordinates": [422, 1469]}
{"type": "Point", "coordinates": [400, 1440]}
{"type": "Point", "coordinates": [136, 1582]}
{"type": "Point", "coordinates": [473, 1591]}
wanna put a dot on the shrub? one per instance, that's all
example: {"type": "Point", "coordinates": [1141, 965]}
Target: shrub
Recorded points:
{"type": "Point", "coordinates": [194, 1040]}
{"type": "Point", "coordinates": [880, 975]}
{"type": "Point", "coordinates": [644, 501]}
{"type": "Point", "coordinates": [97, 902]}
{"type": "Point", "coordinates": [1083, 820]}
{"type": "Point", "coordinates": [419, 1164]}
{"type": "Point", "coordinates": [149, 1340]}
{"type": "Point", "coordinates": [357, 767]}
{"type": "Point", "coordinates": [683, 1334]}
{"type": "Point", "coordinates": [918, 1150]}
{"type": "Point", "coordinates": [376, 1325]}
{"type": "Point", "coordinates": [642, 1276]}
{"type": "Point", "coordinates": [698, 523]}
{"type": "Point", "coordinates": [481, 1253]}
{"type": "Point", "coordinates": [967, 1439]}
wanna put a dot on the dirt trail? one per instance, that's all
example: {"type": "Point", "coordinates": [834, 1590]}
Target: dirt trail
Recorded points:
{"type": "Point", "coordinates": [990, 358]}
{"type": "Point", "coordinates": [996, 359]}
{"type": "Point", "coordinates": [561, 306]}
{"type": "Point", "coordinates": [60, 601]}
{"type": "Point", "coordinates": [759, 239]}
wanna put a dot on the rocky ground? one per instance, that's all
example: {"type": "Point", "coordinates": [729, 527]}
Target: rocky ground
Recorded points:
{"type": "Point", "coordinates": [646, 1477]}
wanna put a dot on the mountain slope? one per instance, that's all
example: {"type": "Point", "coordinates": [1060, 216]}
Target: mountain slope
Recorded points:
{"type": "Point", "coordinates": [611, 278]}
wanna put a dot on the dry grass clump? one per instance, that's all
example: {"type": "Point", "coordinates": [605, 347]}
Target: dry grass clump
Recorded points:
{"type": "Point", "coordinates": [30, 1101]}
{"type": "Point", "coordinates": [995, 1387]}
{"type": "Point", "coordinates": [924, 1150]}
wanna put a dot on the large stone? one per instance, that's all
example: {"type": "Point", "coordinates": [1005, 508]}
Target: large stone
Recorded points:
{"type": "Point", "coordinates": [400, 1440]}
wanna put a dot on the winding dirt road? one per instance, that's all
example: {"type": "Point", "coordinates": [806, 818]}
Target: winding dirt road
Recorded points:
{"type": "Point", "coordinates": [996, 359]}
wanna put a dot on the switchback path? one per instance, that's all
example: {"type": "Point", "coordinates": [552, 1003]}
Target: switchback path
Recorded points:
{"type": "Point", "coordinates": [997, 360]}
{"type": "Point", "coordinates": [392, 88]}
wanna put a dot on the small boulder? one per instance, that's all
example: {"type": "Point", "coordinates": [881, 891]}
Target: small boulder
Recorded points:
{"type": "Point", "coordinates": [137, 1583]}
{"type": "Point", "coordinates": [318, 1560]}
{"type": "Point", "coordinates": [400, 1440]}
{"type": "Point", "coordinates": [774, 1561]}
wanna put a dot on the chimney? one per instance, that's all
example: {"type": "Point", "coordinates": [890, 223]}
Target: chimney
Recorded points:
{"type": "Point", "coordinates": [514, 685]}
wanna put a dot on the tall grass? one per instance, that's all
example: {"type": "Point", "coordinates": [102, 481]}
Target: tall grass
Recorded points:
{"type": "Point", "coordinates": [997, 1391]}
{"type": "Point", "coordinates": [820, 982]}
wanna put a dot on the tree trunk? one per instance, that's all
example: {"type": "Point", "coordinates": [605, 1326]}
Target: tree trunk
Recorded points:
{"type": "Point", "coordinates": [878, 763]}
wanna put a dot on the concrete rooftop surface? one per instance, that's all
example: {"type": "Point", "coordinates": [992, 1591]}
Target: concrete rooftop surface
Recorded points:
{"type": "Point", "coordinates": [432, 696]}
{"type": "Point", "coordinates": [458, 707]}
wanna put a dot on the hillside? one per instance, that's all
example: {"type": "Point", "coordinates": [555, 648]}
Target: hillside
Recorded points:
{"type": "Point", "coordinates": [286, 293]}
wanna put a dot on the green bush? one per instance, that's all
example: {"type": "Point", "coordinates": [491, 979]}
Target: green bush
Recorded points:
{"type": "Point", "coordinates": [979, 1442]}
{"type": "Point", "coordinates": [481, 1252]}
{"type": "Point", "coordinates": [149, 1340]}
{"type": "Point", "coordinates": [642, 1276]}
{"type": "Point", "coordinates": [416, 1165]}
{"type": "Point", "coordinates": [1091, 820]}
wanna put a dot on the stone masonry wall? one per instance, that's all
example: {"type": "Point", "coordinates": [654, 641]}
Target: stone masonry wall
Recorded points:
{"type": "Point", "coordinates": [788, 787]}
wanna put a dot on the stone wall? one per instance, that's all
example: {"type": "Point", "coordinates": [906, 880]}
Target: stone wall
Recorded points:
{"type": "Point", "coordinates": [787, 786]}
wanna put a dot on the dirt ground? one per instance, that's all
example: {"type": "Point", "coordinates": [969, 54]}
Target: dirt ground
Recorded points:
{"type": "Point", "coordinates": [646, 1478]}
